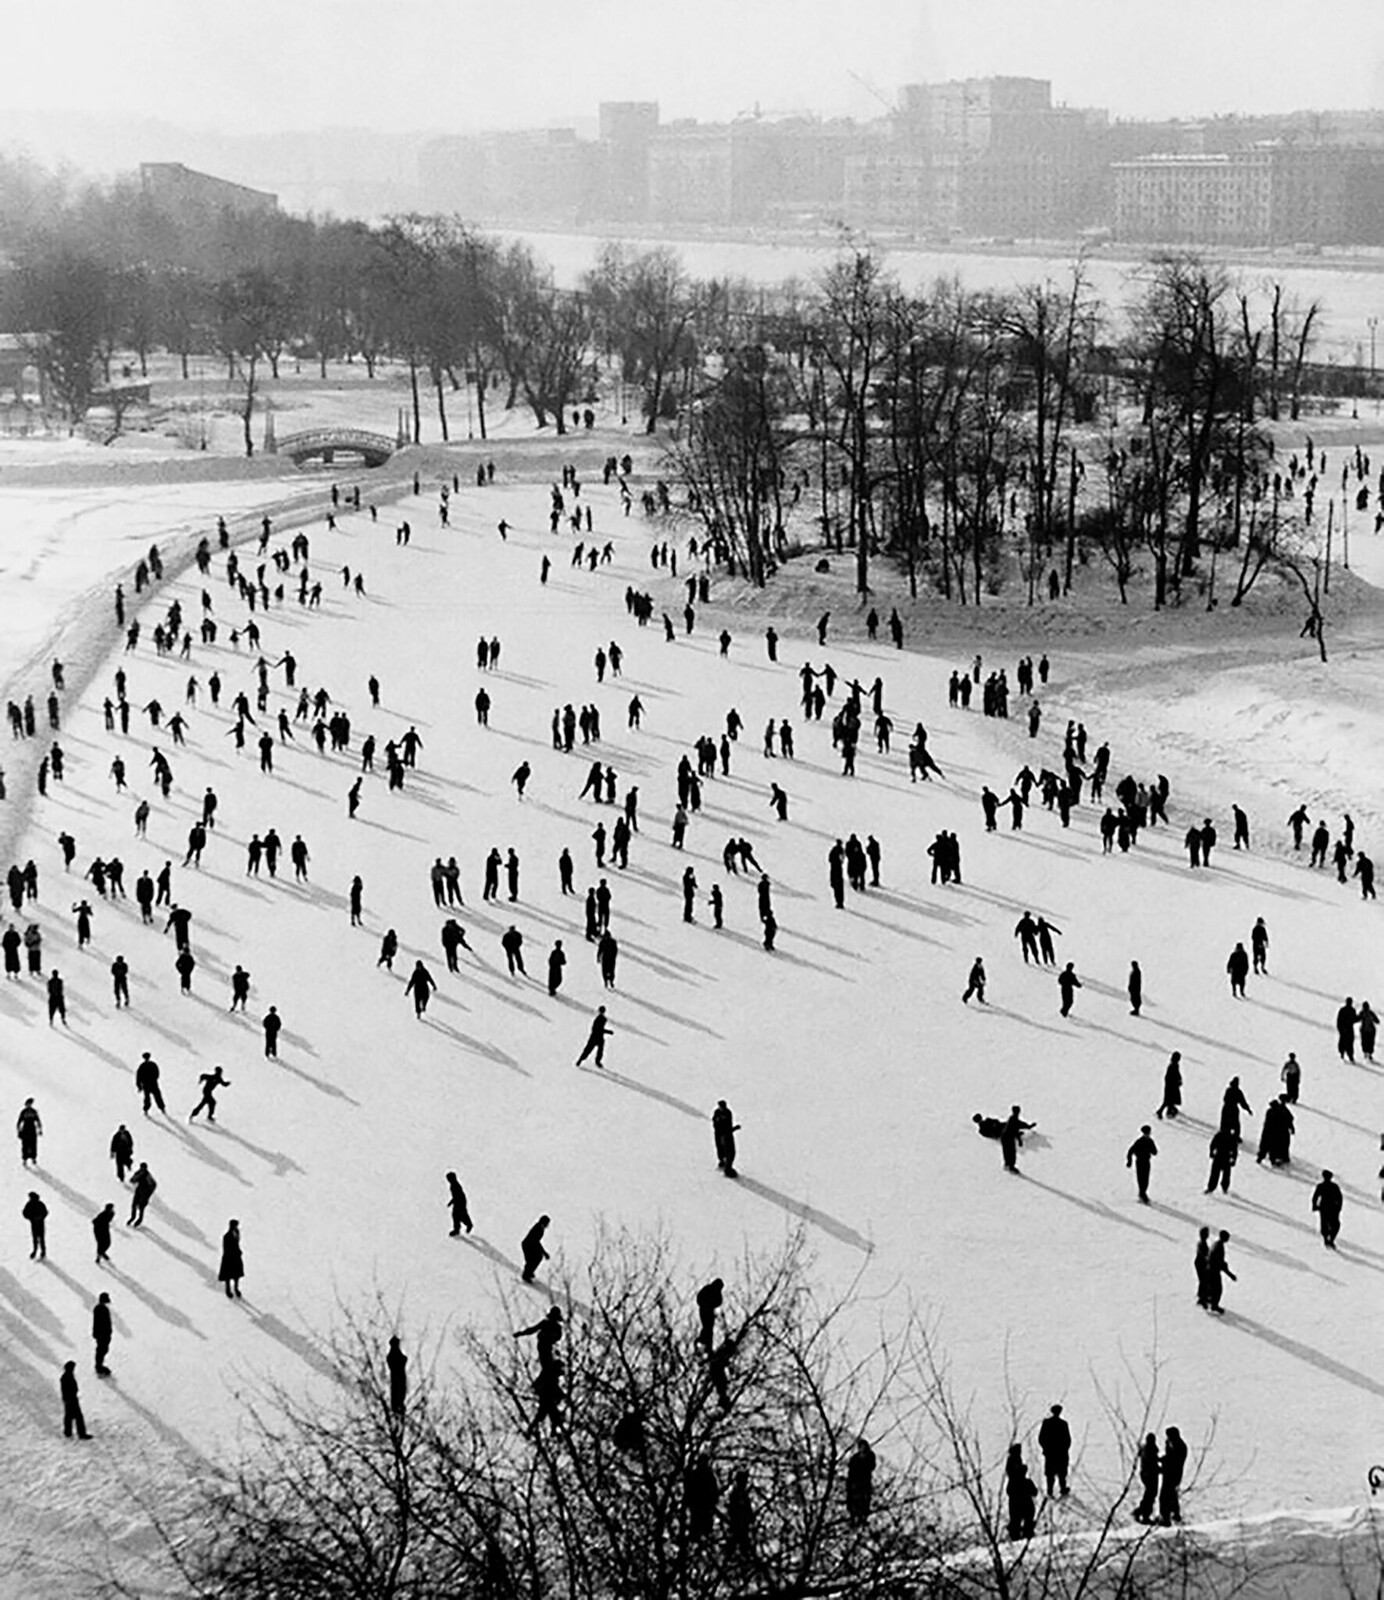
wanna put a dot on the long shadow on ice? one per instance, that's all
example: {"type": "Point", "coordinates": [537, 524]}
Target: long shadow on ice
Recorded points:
{"type": "Point", "coordinates": [808, 1213]}
{"type": "Point", "coordinates": [1096, 1208]}
{"type": "Point", "coordinates": [161, 1308]}
{"type": "Point", "coordinates": [605, 1075]}
{"type": "Point", "coordinates": [1306, 1353]}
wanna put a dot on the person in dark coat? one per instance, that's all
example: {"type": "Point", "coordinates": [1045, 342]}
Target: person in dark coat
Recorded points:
{"type": "Point", "coordinates": [1140, 1156]}
{"type": "Point", "coordinates": [557, 960]}
{"type": "Point", "coordinates": [1055, 1441]}
{"type": "Point", "coordinates": [1202, 1255]}
{"type": "Point", "coordinates": [1170, 1486]}
{"type": "Point", "coordinates": [122, 1151]}
{"type": "Point", "coordinates": [271, 1024]}
{"type": "Point", "coordinates": [975, 982]}
{"type": "Point", "coordinates": [1224, 1149]}
{"type": "Point", "coordinates": [1149, 1466]}
{"type": "Point", "coordinates": [547, 1335]}
{"type": "Point", "coordinates": [532, 1248]}
{"type": "Point", "coordinates": [1217, 1269]}
{"type": "Point", "coordinates": [1021, 1494]}
{"type": "Point", "coordinates": [1136, 989]}
{"type": "Point", "coordinates": [1172, 1086]}
{"type": "Point", "coordinates": [211, 1082]}
{"type": "Point", "coordinates": [596, 1038]}
{"type": "Point", "coordinates": [709, 1299]}
{"type": "Point", "coordinates": [1068, 983]}
{"type": "Point", "coordinates": [1291, 1077]}
{"type": "Point", "coordinates": [1238, 968]}
{"type": "Point", "coordinates": [28, 1126]}
{"type": "Point", "coordinates": [1233, 1102]}
{"type": "Point", "coordinates": [35, 1213]}
{"type": "Point", "coordinates": [232, 1268]}
{"type": "Point", "coordinates": [101, 1333]}
{"type": "Point", "coordinates": [723, 1131]}
{"type": "Point", "coordinates": [142, 1190]}
{"type": "Point", "coordinates": [420, 985]}
{"type": "Point", "coordinates": [456, 1200]}
{"type": "Point", "coordinates": [1012, 1138]}
{"type": "Point", "coordinates": [71, 1403]}
{"type": "Point", "coordinates": [397, 1363]}
{"type": "Point", "coordinates": [101, 1232]}
{"type": "Point", "coordinates": [860, 1482]}
{"type": "Point", "coordinates": [1346, 1018]}
{"type": "Point", "coordinates": [1327, 1202]}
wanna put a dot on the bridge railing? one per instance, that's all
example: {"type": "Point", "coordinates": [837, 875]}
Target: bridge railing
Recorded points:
{"type": "Point", "coordinates": [312, 439]}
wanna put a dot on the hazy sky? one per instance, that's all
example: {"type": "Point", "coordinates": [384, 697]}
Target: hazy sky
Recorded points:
{"type": "Point", "coordinates": [243, 65]}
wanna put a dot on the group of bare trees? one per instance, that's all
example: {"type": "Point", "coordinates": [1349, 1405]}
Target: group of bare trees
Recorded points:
{"type": "Point", "coordinates": [651, 1462]}
{"type": "Point", "coordinates": [977, 436]}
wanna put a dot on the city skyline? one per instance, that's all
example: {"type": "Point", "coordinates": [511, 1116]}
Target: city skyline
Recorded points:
{"type": "Point", "coordinates": [434, 66]}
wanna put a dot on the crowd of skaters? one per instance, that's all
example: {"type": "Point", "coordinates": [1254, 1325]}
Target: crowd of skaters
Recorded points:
{"type": "Point", "coordinates": [1060, 787]}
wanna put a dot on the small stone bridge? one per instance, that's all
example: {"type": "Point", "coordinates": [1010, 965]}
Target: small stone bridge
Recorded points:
{"type": "Point", "coordinates": [374, 448]}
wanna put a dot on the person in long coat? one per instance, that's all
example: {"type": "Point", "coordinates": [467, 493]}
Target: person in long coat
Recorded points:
{"type": "Point", "coordinates": [232, 1261]}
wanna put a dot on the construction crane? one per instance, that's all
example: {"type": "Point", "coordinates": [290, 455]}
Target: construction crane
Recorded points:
{"type": "Point", "coordinates": [871, 89]}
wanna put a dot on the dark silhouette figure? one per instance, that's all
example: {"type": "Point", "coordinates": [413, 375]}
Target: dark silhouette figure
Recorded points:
{"type": "Point", "coordinates": [232, 1268]}
{"type": "Point", "coordinates": [72, 1417]}
{"type": "Point", "coordinates": [1055, 1441]}
{"type": "Point", "coordinates": [533, 1249]}
{"type": "Point", "coordinates": [1140, 1156]}
{"type": "Point", "coordinates": [1327, 1202]}
{"type": "Point", "coordinates": [860, 1483]}
{"type": "Point", "coordinates": [397, 1363]}
{"type": "Point", "coordinates": [456, 1201]}
{"type": "Point", "coordinates": [723, 1129]}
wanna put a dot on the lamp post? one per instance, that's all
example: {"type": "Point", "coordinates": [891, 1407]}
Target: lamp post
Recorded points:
{"type": "Point", "coordinates": [1372, 323]}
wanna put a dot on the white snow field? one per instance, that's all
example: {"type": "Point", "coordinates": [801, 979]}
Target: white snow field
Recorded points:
{"type": "Point", "coordinates": [846, 1054]}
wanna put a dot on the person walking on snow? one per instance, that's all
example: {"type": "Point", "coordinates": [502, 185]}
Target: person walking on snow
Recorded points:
{"type": "Point", "coordinates": [420, 985]}
{"type": "Point", "coordinates": [1140, 1156]}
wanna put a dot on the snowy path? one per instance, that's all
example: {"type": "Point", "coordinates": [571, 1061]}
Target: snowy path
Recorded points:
{"type": "Point", "coordinates": [846, 1055]}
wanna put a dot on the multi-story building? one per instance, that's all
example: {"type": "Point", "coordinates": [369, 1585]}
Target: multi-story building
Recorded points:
{"type": "Point", "coordinates": [178, 189]}
{"type": "Point", "coordinates": [529, 175]}
{"type": "Point", "coordinates": [1271, 194]}
{"type": "Point", "coordinates": [627, 129]}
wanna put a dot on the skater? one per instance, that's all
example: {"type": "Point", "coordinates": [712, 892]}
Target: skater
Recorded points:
{"type": "Point", "coordinates": [211, 1082]}
{"type": "Point", "coordinates": [396, 1362]}
{"type": "Point", "coordinates": [1068, 983]}
{"type": "Point", "coordinates": [1136, 989]}
{"type": "Point", "coordinates": [122, 1151]}
{"type": "Point", "coordinates": [709, 1299]}
{"type": "Point", "coordinates": [101, 1225]}
{"type": "Point", "coordinates": [557, 960]}
{"type": "Point", "coordinates": [1140, 1156]}
{"type": "Point", "coordinates": [596, 1038]}
{"type": "Point", "coordinates": [1327, 1202]}
{"type": "Point", "coordinates": [1224, 1150]}
{"type": "Point", "coordinates": [1199, 1262]}
{"type": "Point", "coordinates": [975, 983]}
{"type": "Point", "coordinates": [35, 1213]}
{"type": "Point", "coordinates": [421, 985]}
{"type": "Point", "coordinates": [271, 1024]}
{"type": "Point", "coordinates": [1259, 945]}
{"type": "Point", "coordinates": [1055, 1441]}
{"type": "Point", "coordinates": [724, 1128]}
{"type": "Point", "coordinates": [1217, 1268]}
{"type": "Point", "coordinates": [532, 1248]}
{"type": "Point", "coordinates": [1012, 1137]}
{"type": "Point", "coordinates": [28, 1126]}
{"type": "Point", "coordinates": [1346, 1019]}
{"type": "Point", "coordinates": [1149, 1464]}
{"type": "Point", "coordinates": [1238, 968]}
{"type": "Point", "coordinates": [860, 1473]}
{"type": "Point", "coordinates": [101, 1333]}
{"type": "Point", "coordinates": [1169, 1490]}
{"type": "Point", "coordinates": [456, 1201]}
{"type": "Point", "coordinates": [1291, 1078]}
{"type": "Point", "coordinates": [143, 1185]}
{"type": "Point", "coordinates": [1172, 1087]}
{"type": "Point", "coordinates": [71, 1403]}
{"type": "Point", "coordinates": [232, 1268]}
{"type": "Point", "coordinates": [512, 943]}
{"type": "Point", "coordinates": [147, 1083]}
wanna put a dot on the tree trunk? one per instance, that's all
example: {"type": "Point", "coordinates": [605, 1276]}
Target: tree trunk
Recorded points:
{"type": "Point", "coordinates": [417, 405]}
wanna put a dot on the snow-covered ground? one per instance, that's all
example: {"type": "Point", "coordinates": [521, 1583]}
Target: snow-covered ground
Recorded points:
{"type": "Point", "coordinates": [846, 1054]}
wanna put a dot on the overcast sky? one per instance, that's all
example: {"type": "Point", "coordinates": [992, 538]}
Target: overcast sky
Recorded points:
{"type": "Point", "coordinates": [263, 65]}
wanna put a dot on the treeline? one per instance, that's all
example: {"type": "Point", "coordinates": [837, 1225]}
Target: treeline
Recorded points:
{"type": "Point", "coordinates": [971, 435]}
{"type": "Point", "coordinates": [976, 434]}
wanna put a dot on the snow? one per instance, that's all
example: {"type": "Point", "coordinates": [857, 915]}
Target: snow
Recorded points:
{"type": "Point", "coordinates": [846, 1054]}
